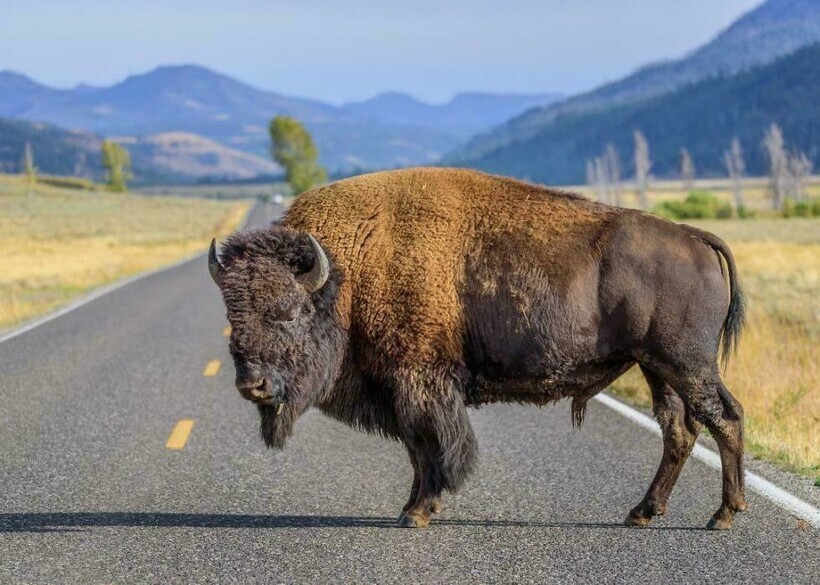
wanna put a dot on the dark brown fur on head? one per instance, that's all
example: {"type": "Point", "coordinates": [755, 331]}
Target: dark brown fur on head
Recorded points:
{"type": "Point", "coordinates": [291, 335]}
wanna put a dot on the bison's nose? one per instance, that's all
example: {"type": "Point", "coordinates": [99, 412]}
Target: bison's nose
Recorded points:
{"type": "Point", "coordinates": [253, 389]}
{"type": "Point", "coordinates": [262, 390]}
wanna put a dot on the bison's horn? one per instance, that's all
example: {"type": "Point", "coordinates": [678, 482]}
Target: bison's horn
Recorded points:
{"type": "Point", "coordinates": [214, 267]}
{"type": "Point", "coordinates": [317, 276]}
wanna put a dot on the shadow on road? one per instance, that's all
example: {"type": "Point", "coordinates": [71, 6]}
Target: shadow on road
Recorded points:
{"type": "Point", "coordinates": [80, 521]}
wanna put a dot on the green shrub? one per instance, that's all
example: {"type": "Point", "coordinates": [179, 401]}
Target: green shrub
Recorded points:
{"type": "Point", "coordinates": [744, 213]}
{"type": "Point", "coordinates": [793, 208]}
{"type": "Point", "coordinates": [697, 205]}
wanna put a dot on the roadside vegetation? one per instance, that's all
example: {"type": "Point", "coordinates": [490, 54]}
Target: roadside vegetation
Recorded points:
{"type": "Point", "coordinates": [58, 243]}
{"type": "Point", "coordinates": [776, 372]}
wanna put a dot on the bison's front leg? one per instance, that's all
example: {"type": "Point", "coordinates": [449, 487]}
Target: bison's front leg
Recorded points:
{"type": "Point", "coordinates": [440, 440]}
{"type": "Point", "coordinates": [435, 506]}
{"type": "Point", "coordinates": [414, 490]}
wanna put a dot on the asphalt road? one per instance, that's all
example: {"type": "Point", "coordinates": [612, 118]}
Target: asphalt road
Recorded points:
{"type": "Point", "coordinates": [90, 493]}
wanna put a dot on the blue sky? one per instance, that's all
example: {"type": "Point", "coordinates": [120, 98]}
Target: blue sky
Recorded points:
{"type": "Point", "coordinates": [339, 51]}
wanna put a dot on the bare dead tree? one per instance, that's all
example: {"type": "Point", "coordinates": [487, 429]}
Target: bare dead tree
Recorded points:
{"type": "Point", "coordinates": [602, 174]}
{"type": "Point", "coordinates": [778, 164]}
{"type": "Point", "coordinates": [642, 167]}
{"type": "Point", "coordinates": [613, 160]}
{"type": "Point", "coordinates": [29, 171]}
{"type": "Point", "coordinates": [736, 166]}
{"type": "Point", "coordinates": [687, 170]}
{"type": "Point", "coordinates": [800, 168]}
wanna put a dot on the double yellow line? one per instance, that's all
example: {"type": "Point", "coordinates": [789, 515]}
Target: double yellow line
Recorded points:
{"type": "Point", "coordinates": [182, 430]}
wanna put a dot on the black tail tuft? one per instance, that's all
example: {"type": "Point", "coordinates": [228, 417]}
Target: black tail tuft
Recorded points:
{"type": "Point", "coordinates": [732, 327]}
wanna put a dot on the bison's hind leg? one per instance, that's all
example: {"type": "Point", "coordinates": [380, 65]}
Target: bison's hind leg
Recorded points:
{"type": "Point", "coordinates": [706, 401]}
{"type": "Point", "coordinates": [679, 431]}
{"type": "Point", "coordinates": [437, 433]}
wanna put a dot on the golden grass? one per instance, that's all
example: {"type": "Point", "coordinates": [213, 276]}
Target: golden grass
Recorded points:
{"type": "Point", "coordinates": [776, 372]}
{"type": "Point", "coordinates": [58, 244]}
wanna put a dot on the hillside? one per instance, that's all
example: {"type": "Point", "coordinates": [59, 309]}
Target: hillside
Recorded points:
{"type": "Point", "coordinates": [192, 156]}
{"type": "Point", "coordinates": [165, 157]}
{"type": "Point", "coordinates": [56, 151]}
{"type": "Point", "coordinates": [702, 117]}
{"type": "Point", "coordinates": [773, 29]}
{"type": "Point", "coordinates": [389, 130]}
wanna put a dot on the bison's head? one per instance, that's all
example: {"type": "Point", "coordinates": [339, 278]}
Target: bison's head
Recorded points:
{"type": "Point", "coordinates": [279, 289]}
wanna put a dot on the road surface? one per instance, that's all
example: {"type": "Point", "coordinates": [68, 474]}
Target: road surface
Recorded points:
{"type": "Point", "coordinates": [91, 493]}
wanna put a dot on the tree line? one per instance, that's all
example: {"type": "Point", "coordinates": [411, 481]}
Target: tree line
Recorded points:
{"type": "Point", "coordinates": [788, 171]}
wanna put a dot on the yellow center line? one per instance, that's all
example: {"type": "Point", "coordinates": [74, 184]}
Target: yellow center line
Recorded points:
{"type": "Point", "coordinates": [227, 331]}
{"type": "Point", "coordinates": [212, 369]}
{"type": "Point", "coordinates": [179, 436]}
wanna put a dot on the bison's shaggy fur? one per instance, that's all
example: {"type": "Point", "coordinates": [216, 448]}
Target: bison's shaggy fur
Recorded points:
{"type": "Point", "coordinates": [451, 288]}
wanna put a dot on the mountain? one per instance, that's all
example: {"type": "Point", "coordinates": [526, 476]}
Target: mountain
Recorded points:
{"type": "Point", "coordinates": [164, 157]}
{"type": "Point", "coordinates": [702, 117]}
{"type": "Point", "coordinates": [465, 112]}
{"type": "Point", "coordinates": [773, 29]}
{"type": "Point", "coordinates": [390, 130]}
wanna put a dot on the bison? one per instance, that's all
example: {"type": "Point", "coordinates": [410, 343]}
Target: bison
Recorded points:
{"type": "Point", "coordinates": [396, 300]}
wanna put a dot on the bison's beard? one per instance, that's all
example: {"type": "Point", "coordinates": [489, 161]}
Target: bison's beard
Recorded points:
{"type": "Point", "coordinates": [276, 428]}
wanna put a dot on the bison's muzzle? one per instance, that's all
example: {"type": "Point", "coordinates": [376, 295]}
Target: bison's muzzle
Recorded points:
{"type": "Point", "coordinates": [266, 390]}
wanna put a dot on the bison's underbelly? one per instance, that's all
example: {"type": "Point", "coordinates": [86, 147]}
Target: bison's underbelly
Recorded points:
{"type": "Point", "coordinates": [491, 383]}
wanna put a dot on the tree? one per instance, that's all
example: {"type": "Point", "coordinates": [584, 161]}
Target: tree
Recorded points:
{"type": "Point", "coordinates": [598, 177]}
{"type": "Point", "coordinates": [613, 160]}
{"type": "Point", "coordinates": [592, 175]}
{"type": "Point", "coordinates": [778, 164]}
{"type": "Point", "coordinates": [799, 168]}
{"type": "Point", "coordinates": [642, 166]}
{"type": "Point", "coordinates": [29, 170]}
{"type": "Point", "coordinates": [293, 149]}
{"type": "Point", "coordinates": [117, 163]}
{"type": "Point", "coordinates": [736, 166]}
{"type": "Point", "coordinates": [687, 170]}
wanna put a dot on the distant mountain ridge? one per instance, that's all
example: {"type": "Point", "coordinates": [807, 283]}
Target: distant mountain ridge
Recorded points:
{"type": "Point", "coordinates": [171, 157]}
{"type": "Point", "coordinates": [389, 130]}
{"type": "Point", "coordinates": [702, 117]}
{"type": "Point", "coordinates": [773, 29]}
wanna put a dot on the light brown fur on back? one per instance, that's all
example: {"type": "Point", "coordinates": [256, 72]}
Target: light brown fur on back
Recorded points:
{"type": "Point", "coordinates": [380, 228]}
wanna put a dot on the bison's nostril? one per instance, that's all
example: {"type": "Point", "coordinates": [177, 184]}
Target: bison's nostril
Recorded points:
{"type": "Point", "coordinates": [250, 384]}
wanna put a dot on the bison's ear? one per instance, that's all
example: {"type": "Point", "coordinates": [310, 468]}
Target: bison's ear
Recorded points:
{"type": "Point", "coordinates": [214, 267]}
{"type": "Point", "coordinates": [316, 277]}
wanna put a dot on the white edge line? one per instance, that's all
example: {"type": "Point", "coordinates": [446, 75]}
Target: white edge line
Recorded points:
{"type": "Point", "coordinates": [779, 496]}
{"type": "Point", "coordinates": [104, 290]}
{"type": "Point", "coordinates": [94, 295]}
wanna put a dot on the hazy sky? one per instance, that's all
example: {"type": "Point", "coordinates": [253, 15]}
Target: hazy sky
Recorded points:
{"type": "Point", "coordinates": [339, 51]}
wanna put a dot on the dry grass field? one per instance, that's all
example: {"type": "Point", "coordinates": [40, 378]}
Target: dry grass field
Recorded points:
{"type": "Point", "coordinates": [776, 372]}
{"type": "Point", "coordinates": [58, 244]}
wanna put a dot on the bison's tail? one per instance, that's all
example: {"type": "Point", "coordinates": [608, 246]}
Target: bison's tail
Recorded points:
{"type": "Point", "coordinates": [735, 317]}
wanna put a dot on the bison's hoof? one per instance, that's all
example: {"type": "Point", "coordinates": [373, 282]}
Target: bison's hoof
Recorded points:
{"type": "Point", "coordinates": [639, 521]}
{"type": "Point", "coordinates": [719, 523]}
{"type": "Point", "coordinates": [412, 521]}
